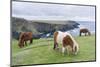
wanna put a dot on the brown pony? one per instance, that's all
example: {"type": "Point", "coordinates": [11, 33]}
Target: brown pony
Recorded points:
{"type": "Point", "coordinates": [84, 30]}
{"type": "Point", "coordinates": [24, 37]}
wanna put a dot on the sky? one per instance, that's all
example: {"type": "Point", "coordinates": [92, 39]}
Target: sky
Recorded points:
{"type": "Point", "coordinates": [43, 11]}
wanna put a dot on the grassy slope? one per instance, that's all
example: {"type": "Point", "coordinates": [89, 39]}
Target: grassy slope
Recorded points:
{"type": "Point", "coordinates": [41, 51]}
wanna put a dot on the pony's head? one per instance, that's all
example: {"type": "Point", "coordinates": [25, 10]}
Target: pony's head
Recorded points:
{"type": "Point", "coordinates": [75, 48]}
{"type": "Point", "coordinates": [21, 43]}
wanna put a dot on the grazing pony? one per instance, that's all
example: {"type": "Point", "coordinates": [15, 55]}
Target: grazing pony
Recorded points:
{"type": "Point", "coordinates": [65, 39]}
{"type": "Point", "coordinates": [84, 30]}
{"type": "Point", "coordinates": [24, 37]}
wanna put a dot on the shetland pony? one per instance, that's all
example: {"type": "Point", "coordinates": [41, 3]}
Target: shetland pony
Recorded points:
{"type": "Point", "coordinates": [24, 37]}
{"type": "Point", "coordinates": [65, 39]}
{"type": "Point", "coordinates": [85, 31]}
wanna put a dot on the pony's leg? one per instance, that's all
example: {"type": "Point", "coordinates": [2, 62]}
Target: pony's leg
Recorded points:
{"type": "Point", "coordinates": [55, 45]}
{"type": "Point", "coordinates": [63, 50]}
{"type": "Point", "coordinates": [22, 45]}
{"type": "Point", "coordinates": [73, 50]}
{"type": "Point", "coordinates": [75, 53]}
{"type": "Point", "coordinates": [80, 33]}
{"type": "Point", "coordinates": [31, 40]}
{"type": "Point", "coordinates": [89, 33]}
{"type": "Point", "coordinates": [25, 43]}
{"type": "Point", "coordinates": [19, 45]}
{"type": "Point", "coordinates": [85, 34]}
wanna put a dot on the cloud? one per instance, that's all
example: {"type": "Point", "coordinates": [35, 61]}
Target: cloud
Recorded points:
{"type": "Point", "coordinates": [29, 10]}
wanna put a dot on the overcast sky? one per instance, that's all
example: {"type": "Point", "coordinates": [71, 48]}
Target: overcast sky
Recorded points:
{"type": "Point", "coordinates": [39, 11]}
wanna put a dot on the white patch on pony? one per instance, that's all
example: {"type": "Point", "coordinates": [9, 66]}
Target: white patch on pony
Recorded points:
{"type": "Point", "coordinates": [60, 37]}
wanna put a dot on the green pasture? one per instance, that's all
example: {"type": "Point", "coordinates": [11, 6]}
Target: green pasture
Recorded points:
{"type": "Point", "coordinates": [41, 52]}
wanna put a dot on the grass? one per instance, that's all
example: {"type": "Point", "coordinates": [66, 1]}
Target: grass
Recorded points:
{"type": "Point", "coordinates": [41, 52]}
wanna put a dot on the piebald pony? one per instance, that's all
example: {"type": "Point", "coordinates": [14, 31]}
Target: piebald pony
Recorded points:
{"type": "Point", "coordinates": [66, 40]}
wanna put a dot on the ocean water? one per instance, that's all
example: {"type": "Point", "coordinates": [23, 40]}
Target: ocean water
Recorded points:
{"type": "Point", "coordinates": [83, 24]}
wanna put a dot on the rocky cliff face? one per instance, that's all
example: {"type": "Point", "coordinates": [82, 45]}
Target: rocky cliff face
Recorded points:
{"type": "Point", "coordinates": [22, 25]}
{"type": "Point", "coordinates": [36, 26]}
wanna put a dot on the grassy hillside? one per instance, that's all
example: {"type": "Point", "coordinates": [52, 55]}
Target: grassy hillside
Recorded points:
{"type": "Point", "coordinates": [41, 51]}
